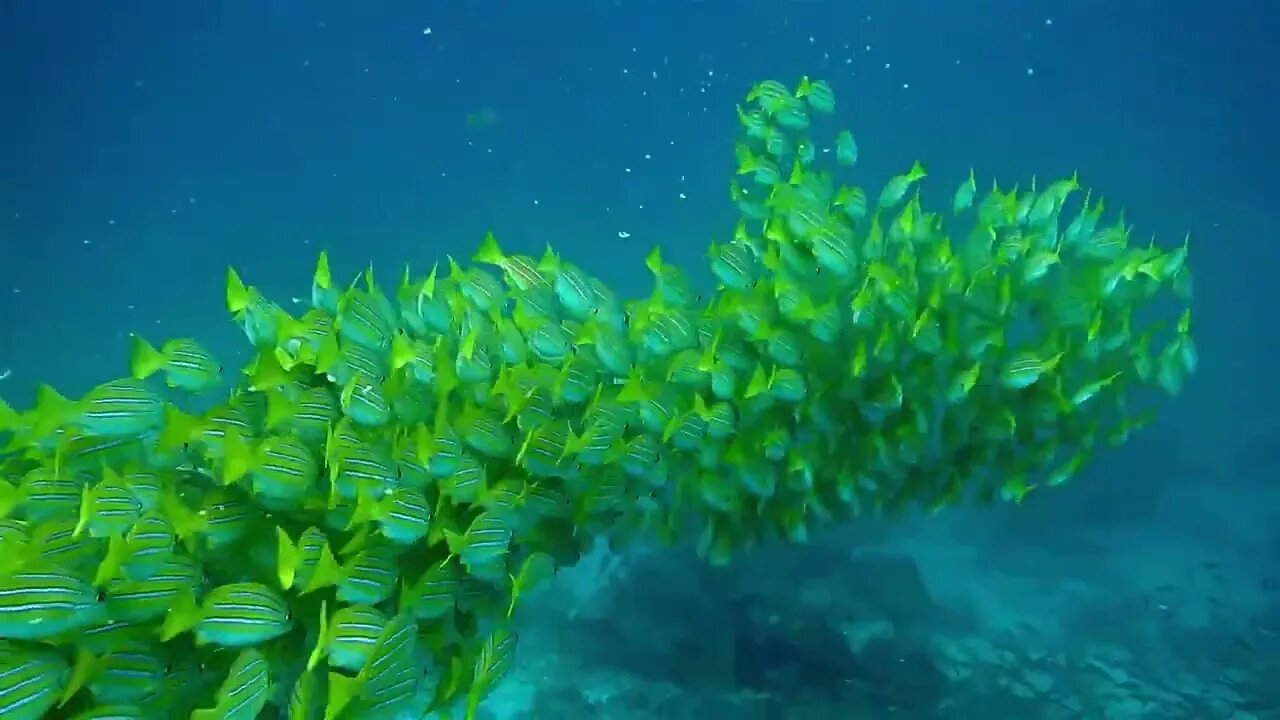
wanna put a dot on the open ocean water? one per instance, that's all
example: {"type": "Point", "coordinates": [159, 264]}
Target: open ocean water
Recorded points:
{"type": "Point", "coordinates": [147, 145]}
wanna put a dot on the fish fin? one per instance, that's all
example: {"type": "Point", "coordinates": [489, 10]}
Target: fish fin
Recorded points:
{"type": "Point", "coordinates": [287, 556]}
{"type": "Point", "coordinates": [86, 509]}
{"type": "Point", "coordinates": [206, 714]}
{"type": "Point", "coordinates": [456, 542]}
{"type": "Point", "coordinates": [321, 638]}
{"type": "Point", "coordinates": [237, 459]}
{"type": "Point", "coordinates": [279, 409]}
{"type": "Point", "coordinates": [10, 497]}
{"type": "Point", "coordinates": [490, 253]}
{"type": "Point", "coordinates": [323, 278]}
{"type": "Point", "coordinates": [144, 359]}
{"type": "Point", "coordinates": [81, 670]}
{"type": "Point", "coordinates": [117, 553]}
{"type": "Point", "coordinates": [182, 616]}
{"type": "Point", "coordinates": [327, 571]}
{"type": "Point", "coordinates": [179, 428]}
{"type": "Point", "coordinates": [237, 294]}
{"type": "Point", "coordinates": [342, 689]}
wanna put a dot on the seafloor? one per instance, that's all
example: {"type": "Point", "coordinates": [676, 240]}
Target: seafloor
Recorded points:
{"type": "Point", "coordinates": [977, 614]}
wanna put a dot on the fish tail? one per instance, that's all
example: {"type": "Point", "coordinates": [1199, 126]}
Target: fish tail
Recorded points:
{"type": "Point", "coordinates": [144, 359]}
{"type": "Point", "coordinates": [490, 253]}
{"type": "Point", "coordinates": [237, 294]}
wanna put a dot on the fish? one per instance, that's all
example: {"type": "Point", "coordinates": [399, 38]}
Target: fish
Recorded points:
{"type": "Point", "coordinates": [235, 615]}
{"type": "Point", "coordinates": [493, 662]}
{"type": "Point", "coordinates": [244, 692]}
{"type": "Point", "coordinates": [392, 473]}
{"type": "Point", "coordinates": [39, 603]}
{"type": "Point", "coordinates": [186, 364]}
{"type": "Point", "coordinates": [348, 638]}
{"type": "Point", "coordinates": [31, 680]}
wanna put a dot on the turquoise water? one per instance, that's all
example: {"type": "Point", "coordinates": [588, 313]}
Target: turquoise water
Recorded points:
{"type": "Point", "coordinates": [147, 145]}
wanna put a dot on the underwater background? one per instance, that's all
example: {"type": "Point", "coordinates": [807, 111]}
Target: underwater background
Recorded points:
{"type": "Point", "coordinates": [146, 145]}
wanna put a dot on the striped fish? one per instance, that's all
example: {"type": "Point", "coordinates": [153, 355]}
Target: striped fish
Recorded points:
{"type": "Point", "coordinates": [404, 515]}
{"type": "Point", "coordinates": [485, 433]}
{"type": "Point", "coordinates": [423, 306]}
{"type": "Point", "coordinates": [119, 408]}
{"type": "Point", "coordinates": [410, 469]}
{"type": "Point", "coordinates": [147, 599]}
{"type": "Point", "coordinates": [486, 539]}
{"type": "Point", "coordinates": [366, 317]}
{"type": "Point", "coordinates": [505, 499]}
{"type": "Point", "coordinates": [520, 271]}
{"type": "Point", "coordinates": [225, 517]}
{"type": "Point", "coordinates": [102, 639]}
{"type": "Point", "coordinates": [482, 289]}
{"type": "Point", "coordinates": [544, 500]}
{"type": "Point", "coordinates": [573, 288]}
{"type": "Point", "coordinates": [242, 614]}
{"type": "Point", "coordinates": [39, 603]}
{"type": "Point", "coordinates": [442, 451]}
{"type": "Point", "coordinates": [383, 677]}
{"type": "Point", "coordinates": [186, 364]}
{"type": "Point", "coordinates": [285, 469]}
{"type": "Point", "coordinates": [386, 682]}
{"type": "Point", "coordinates": [354, 464]}
{"type": "Point", "coordinates": [91, 451]}
{"type": "Point", "coordinates": [370, 576]}
{"type": "Point", "coordinates": [44, 495]}
{"type": "Point", "coordinates": [365, 401]}
{"type": "Point", "coordinates": [492, 664]}
{"type": "Point", "coordinates": [435, 593]}
{"type": "Point", "coordinates": [534, 307]}
{"type": "Point", "coordinates": [31, 681]}
{"type": "Point", "coordinates": [543, 449]}
{"type": "Point", "coordinates": [1024, 369]}
{"type": "Point", "coordinates": [128, 673]}
{"type": "Point", "coordinates": [309, 416]}
{"type": "Point", "coordinates": [351, 635]}
{"type": "Point", "coordinates": [316, 565]}
{"type": "Point", "coordinates": [59, 545]}
{"type": "Point", "coordinates": [150, 544]}
{"type": "Point", "coordinates": [109, 508]}
{"type": "Point", "coordinates": [549, 341]}
{"type": "Point", "coordinates": [217, 424]}
{"type": "Point", "coordinates": [245, 692]}
{"type": "Point", "coordinates": [473, 363]}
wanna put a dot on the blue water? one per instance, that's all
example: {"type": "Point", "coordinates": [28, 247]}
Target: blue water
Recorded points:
{"type": "Point", "coordinates": [145, 145]}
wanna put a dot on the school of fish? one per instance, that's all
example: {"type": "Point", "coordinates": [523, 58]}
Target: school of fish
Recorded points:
{"type": "Point", "coordinates": [358, 522]}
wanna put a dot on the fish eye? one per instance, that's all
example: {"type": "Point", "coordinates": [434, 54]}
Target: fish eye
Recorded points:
{"type": "Point", "coordinates": [168, 668]}
{"type": "Point", "coordinates": [100, 596]}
